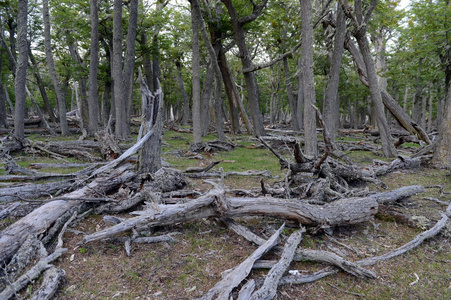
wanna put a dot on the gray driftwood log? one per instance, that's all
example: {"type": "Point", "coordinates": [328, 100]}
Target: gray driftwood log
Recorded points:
{"type": "Point", "coordinates": [223, 288]}
{"type": "Point", "coordinates": [39, 220]}
{"type": "Point", "coordinates": [341, 212]}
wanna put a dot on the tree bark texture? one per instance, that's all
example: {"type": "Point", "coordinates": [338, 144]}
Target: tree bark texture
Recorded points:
{"type": "Point", "coordinates": [197, 125]}
{"type": "Point", "coordinates": [21, 70]}
{"type": "Point", "coordinates": [311, 143]}
{"type": "Point", "coordinates": [331, 105]}
{"type": "Point", "coordinates": [119, 102]}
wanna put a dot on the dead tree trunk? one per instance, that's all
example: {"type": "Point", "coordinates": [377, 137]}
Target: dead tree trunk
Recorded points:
{"type": "Point", "coordinates": [42, 218]}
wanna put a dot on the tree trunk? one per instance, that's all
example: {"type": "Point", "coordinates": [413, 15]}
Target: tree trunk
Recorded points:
{"type": "Point", "coordinates": [206, 95]}
{"type": "Point", "coordinates": [185, 117]}
{"type": "Point", "coordinates": [129, 63]}
{"type": "Point", "coordinates": [21, 70]}
{"type": "Point", "coordinates": [52, 70]}
{"type": "Point", "coordinates": [3, 122]}
{"type": "Point", "coordinates": [150, 154]}
{"type": "Point", "coordinates": [93, 101]}
{"type": "Point", "coordinates": [232, 92]}
{"type": "Point", "coordinates": [400, 115]}
{"type": "Point", "coordinates": [197, 125]}
{"type": "Point", "coordinates": [300, 98]}
{"type": "Point", "coordinates": [331, 105]}
{"type": "Point", "coordinates": [431, 101]}
{"type": "Point", "coordinates": [360, 34]}
{"type": "Point", "coordinates": [246, 61]}
{"type": "Point", "coordinates": [311, 142]}
{"type": "Point", "coordinates": [442, 154]}
{"type": "Point", "coordinates": [41, 86]}
{"type": "Point", "coordinates": [119, 102]}
{"type": "Point", "coordinates": [291, 100]}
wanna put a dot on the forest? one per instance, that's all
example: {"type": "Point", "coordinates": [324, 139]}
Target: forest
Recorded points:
{"type": "Point", "coordinates": [225, 149]}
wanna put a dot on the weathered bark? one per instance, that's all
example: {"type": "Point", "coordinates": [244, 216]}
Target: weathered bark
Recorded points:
{"type": "Point", "coordinates": [43, 217]}
{"type": "Point", "coordinates": [331, 106]}
{"type": "Point", "coordinates": [311, 143]}
{"type": "Point", "coordinates": [150, 154]}
{"type": "Point", "coordinates": [21, 70]}
{"type": "Point", "coordinates": [196, 110]}
{"type": "Point", "coordinates": [223, 288]}
{"type": "Point", "coordinates": [341, 212]}
{"type": "Point", "coordinates": [32, 191]}
{"type": "Point", "coordinates": [269, 289]}
{"type": "Point", "coordinates": [50, 281]}
{"type": "Point", "coordinates": [32, 274]}
{"type": "Point", "coordinates": [52, 70]}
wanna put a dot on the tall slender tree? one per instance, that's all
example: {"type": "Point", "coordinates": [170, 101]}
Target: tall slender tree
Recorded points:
{"type": "Point", "coordinates": [197, 127]}
{"type": "Point", "coordinates": [238, 24]}
{"type": "Point", "coordinates": [360, 22]}
{"type": "Point", "coordinates": [21, 70]}
{"type": "Point", "coordinates": [331, 105]}
{"type": "Point", "coordinates": [52, 70]}
{"type": "Point", "coordinates": [311, 143]}
{"type": "Point", "coordinates": [93, 100]}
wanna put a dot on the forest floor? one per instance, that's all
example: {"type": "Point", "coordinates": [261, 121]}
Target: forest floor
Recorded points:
{"type": "Point", "coordinates": [189, 267]}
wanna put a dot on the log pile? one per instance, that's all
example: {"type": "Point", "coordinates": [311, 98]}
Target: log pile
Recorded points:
{"type": "Point", "coordinates": [316, 196]}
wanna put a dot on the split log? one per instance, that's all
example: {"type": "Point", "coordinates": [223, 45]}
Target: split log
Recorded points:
{"type": "Point", "coordinates": [345, 211]}
{"type": "Point", "coordinates": [39, 220]}
{"type": "Point", "coordinates": [269, 288]}
{"type": "Point", "coordinates": [223, 288]}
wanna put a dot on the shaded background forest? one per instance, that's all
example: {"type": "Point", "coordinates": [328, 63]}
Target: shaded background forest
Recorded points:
{"type": "Point", "coordinates": [79, 67]}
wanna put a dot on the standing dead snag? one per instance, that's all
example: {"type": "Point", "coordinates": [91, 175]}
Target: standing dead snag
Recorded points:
{"type": "Point", "coordinates": [150, 154]}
